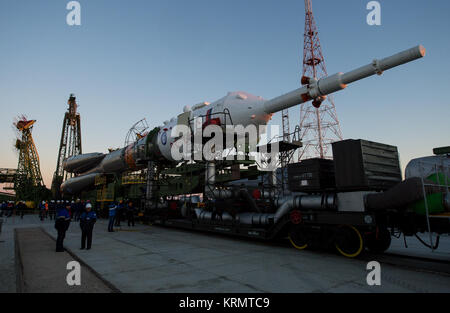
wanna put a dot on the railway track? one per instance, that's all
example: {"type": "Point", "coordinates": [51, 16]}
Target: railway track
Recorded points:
{"type": "Point", "coordinates": [423, 264]}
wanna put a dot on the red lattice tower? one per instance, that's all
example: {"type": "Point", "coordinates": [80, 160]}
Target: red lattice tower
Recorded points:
{"type": "Point", "coordinates": [319, 127]}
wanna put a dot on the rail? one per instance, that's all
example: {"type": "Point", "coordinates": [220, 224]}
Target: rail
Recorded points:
{"type": "Point", "coordinates": [134, 179]}
{"type": "Point", "coordinates": [438, 169]}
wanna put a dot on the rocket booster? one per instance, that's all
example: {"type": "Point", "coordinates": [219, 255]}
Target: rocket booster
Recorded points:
{"type": "Point", "coordinates": [236, 108]}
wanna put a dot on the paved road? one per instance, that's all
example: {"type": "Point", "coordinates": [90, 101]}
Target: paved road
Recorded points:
{"type": "Point", "coordinates": [7, 266]}
{"type": "Point", "coordinates": [44, 270]}
{"type": "Point", "coordinates": [157, 259]}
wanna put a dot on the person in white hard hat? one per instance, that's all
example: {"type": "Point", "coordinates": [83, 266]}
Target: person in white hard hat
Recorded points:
{"type": "Point", "coordinates": [87, 221]}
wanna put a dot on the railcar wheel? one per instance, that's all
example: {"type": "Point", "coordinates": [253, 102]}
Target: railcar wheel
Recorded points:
{"type": "Point", "coordinates": [298, 238]}
{"type": "Point", "coordinates": [378, 241]}
{"type": "Point", "coordinates": [348, 241]}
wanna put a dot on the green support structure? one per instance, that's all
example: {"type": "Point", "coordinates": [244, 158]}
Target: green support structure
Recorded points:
{"type": "Point", "coordinates": [28, 183]}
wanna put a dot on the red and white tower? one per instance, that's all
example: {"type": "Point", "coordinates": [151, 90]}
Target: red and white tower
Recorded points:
{"type": "Point", "coordinates": [319, 127]}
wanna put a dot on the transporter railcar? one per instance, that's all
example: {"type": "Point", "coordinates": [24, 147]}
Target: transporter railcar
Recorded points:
{"type": "Point", "coordinates": [354, 202]}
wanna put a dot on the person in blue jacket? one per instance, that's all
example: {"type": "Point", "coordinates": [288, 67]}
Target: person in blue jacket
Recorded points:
{"type": "Point", "coordinates": [119, 212]}
{"type": "Point", "coordinates": [42, 210]}
{"type": "Point", "coordinates": [3, 208]}
{"type": "Point", "coordinates": [112, 216]}
{"type": "Point", "coordinates": [87, 221]}
{"type": "Point", "coordinates": [62, 223]}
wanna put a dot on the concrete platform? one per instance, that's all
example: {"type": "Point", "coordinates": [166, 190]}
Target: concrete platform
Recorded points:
{"type": "Point", "coordinates": [157, 259]}
{"type": "Point", "coordinates": [40, 269]}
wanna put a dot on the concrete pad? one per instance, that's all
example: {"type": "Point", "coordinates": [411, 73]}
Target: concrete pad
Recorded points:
{"type": "Point", "coordinates": [158, 259]}
{"type": "Point", "coordinates": [45, 271]}
{"type": "Point", "coordinates": [7, 261]}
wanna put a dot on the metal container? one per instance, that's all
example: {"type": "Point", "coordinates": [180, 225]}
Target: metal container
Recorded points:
{"type": "Point", "coordinates": [311, 175]}
{"type": "Point", "coordinates": [365, 165]}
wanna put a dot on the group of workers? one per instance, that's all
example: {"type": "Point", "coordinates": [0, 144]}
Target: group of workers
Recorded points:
{"type": "Point", "coordinates": [49, 208]}
{"type": "Point", "coordinates": [87, 218]}
{"type": "Point", "coordinates": [117, 211]}
{"type": "Point", "coordinates": [65, 211]}
{"type": "Point", "coordinates": [7, 208]}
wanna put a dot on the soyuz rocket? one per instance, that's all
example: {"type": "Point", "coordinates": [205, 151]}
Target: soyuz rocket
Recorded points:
{"type": "Point", "coordinates": [236, 108]}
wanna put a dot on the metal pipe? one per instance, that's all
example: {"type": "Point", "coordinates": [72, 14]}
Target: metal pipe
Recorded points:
{"type": "Point", "coordinates": [305, 202]}
{"type": "Point", "coordinates": [285, 205]}
{"type": "Point", "coordinates": [256, 219]}
{"type": "Point", "coordinates": [149, 189]}
{"type": "Point", "coordinates": [210, 179]}
{"type": "Point", "coordinates": [221, 193]}
{"type": "Point", "coordinates": [251, 202]}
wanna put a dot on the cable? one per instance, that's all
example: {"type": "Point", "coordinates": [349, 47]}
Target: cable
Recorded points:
{"type": "Point", "coordinates": [427, 245]}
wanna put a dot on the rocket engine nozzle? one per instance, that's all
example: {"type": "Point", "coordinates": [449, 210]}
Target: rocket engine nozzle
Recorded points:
{"type": "Point", "coordinates": [305, 80]}
{"type": "Point", "coordinates": [318, 101]}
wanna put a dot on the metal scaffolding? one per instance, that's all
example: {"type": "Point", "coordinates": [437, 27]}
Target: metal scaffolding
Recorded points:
{"type": "Point", "coordinates": [69, 146]}
{"type": "Point", "coordinates": [28, 181]}
{"type": "Point", "coordinates": [319, 125]}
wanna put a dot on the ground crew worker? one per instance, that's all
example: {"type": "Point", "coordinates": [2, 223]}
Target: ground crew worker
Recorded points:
{"type": "Point", "coordinates": [112, 215]}
{"type": "Point", "coordinates": [10, 209]}
{"type": "Point", "coordinates": [58, 206]}
{"type": "Point", "coordinates": [3, 207]}
{"type": "Point", "coordinates": [130, 213]}
{"type": "Point", "coordinates": [62, 223]}
{"type": "Point", "coordinates": [119, 212]}
{"type": "Point", "coordinates": [42, 210]}
{"type": "Point", "coordinates": [87, 221]}
{"type": "Point", "coordinates": [67, 204]}
{"type": "Point", "coordinates": [21, 207]}
{"type": "Point", "coordinates": [52, 209]}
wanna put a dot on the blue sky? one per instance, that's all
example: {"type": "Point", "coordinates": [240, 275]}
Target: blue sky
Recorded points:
{"type": "Point", "coordinates": [141, 58]}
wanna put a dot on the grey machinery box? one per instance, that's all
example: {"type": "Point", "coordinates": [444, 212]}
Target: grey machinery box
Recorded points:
{"type": "Point", "coordinates": [365, 165]}
{"type": "Point", "coordinates": [311, 175]}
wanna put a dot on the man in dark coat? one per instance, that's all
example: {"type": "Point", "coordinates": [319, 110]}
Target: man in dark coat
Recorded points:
{"type": "Point", "coordinates": [130, 213]}
{"type": "Point", "coordinates": [87, 221]}
{"type": "Point", "coordinates": [62, 223]}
